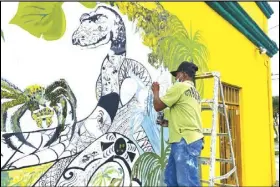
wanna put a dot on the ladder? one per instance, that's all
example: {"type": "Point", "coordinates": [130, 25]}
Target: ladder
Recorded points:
{"type": "Point", "coordinates": [214, 106]}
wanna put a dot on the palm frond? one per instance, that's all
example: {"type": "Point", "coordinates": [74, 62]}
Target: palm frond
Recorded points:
{"type": "Point", "coordinates": [176, 27]}
{"type": "Point", "coordinates": [116, 182]}
{"type": "Point", "coordinates": [145, 167]}
{"type": "Point", "coordinates": [154, 177]}
{"type": "Point", "coordinates": [166, 154]}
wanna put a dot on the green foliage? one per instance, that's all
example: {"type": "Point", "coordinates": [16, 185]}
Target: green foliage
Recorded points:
{"type": "Point", "coordinates": [275, 105]}
{"type": "Point", "coordinates": [116, 182]}
{"type": "Point", "coordinates": [23, 177]}
{"type": "Point", "coordinates": [166, 35]}
{"type": "Point", "coordinates": [149, 167]}
{"type": "Point", "coordinates": [93, 4]}
{"type": "Point", "coordinates": [88, 4]}
{"type": "Point", "coordinates": [107, 176]}
{"type": "Point", "coordinates": [41, 19]}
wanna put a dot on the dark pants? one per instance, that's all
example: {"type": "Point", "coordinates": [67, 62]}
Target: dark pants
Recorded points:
{"type": "Point", "coordinates": [182, 168]}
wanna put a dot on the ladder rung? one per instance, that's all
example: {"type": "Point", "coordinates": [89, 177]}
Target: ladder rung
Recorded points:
{"type": "Point", "coordinates": [207, 132]}
{"type": "Point", "coordinates": [206, 75]}
{"type": "Point", "coordinates": [227, 175]}
{"type": "Point", "coordinates": [209, 108]}
{"type": "Point", "coordinates": [203, 76]}
{"type": "Point", "coordinates": [218, 134]}
{"type": "Point", "coordinates": [210, 101]}
{"type": "Point", "coordinates": [218, 184]}
{"type": "Point", "coordinates": [206, 108]}
{"type": "Point", "coordinates": [206, 101]}
{"type": "Point", "coordinates": [206, 160]}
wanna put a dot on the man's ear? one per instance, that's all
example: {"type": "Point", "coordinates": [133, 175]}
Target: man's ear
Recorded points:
{"type": "Point", "coordinates": [186, 76]}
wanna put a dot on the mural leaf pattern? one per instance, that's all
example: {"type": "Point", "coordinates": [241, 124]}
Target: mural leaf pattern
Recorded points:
{"type": "Point", "coordinates": [108, 176]}
{"type": "Point", "coordinates": [149, 167]}
{"type": "Point", "coordinates": [168, 38]}
{"type": "Point", "coordinates": [41, 19]}
{"type": "Point", "coordinates": [23, 177]}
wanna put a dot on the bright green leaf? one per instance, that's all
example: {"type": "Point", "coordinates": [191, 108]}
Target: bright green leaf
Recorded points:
{"type": "Point", "coordinates": [88, 4]}
{"type": "Point", "coordinates": [41, 19]}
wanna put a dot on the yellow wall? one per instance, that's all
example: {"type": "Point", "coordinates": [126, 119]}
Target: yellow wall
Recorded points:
{"type": "Point", "coordinates": [256, 14]}
{"type": "Point", "coordinates": [240, 64]}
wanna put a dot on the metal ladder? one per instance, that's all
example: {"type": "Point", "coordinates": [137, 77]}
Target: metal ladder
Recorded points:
{"type": "Point", "coordinates": [214, 105]}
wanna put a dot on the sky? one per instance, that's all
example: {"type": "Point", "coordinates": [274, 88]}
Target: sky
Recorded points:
{"type": "Point", "coordinates": [274, 35]}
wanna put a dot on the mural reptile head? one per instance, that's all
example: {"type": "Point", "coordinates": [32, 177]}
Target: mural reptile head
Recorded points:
{"type": "Point", "coordinates": [100, 27]}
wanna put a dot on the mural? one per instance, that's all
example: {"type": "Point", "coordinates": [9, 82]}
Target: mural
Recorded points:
{"type": "Point", "coordinates": [119, 142]}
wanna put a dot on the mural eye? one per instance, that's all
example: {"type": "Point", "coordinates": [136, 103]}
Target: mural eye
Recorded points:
{"type": "Point", "coordinates": [120, 146]}
{"type": "Point", "coordinates": [103, 68]}
{"type": "Point", "coordinates": [99, 28]}
{"type": "Point", "coordinates": [84, 17]}
{"type": "Point", "coordinates": [97, 18]}
{"type": "Point", "coordinates": [100, 120]}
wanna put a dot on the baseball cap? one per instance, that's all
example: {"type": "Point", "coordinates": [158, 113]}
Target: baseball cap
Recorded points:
{"type": "Point", "coordinates": [187, 67]}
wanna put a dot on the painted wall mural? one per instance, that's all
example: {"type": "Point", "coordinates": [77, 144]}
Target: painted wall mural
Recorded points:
{"type": "Point", "coordinates": [48, 139]}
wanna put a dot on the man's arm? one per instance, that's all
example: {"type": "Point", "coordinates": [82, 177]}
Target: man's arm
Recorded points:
{"type": "Point", "coordinates": [158, 104]}
{"type": "Point", "coordinates": [169, 99]}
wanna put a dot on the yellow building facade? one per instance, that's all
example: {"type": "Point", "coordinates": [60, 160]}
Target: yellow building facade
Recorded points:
{"type": "Point", "coordinates": [242, 65]}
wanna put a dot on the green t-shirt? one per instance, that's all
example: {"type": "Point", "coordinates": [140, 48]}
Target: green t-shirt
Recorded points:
{"type": "Point", "coordinates": [184, 112]}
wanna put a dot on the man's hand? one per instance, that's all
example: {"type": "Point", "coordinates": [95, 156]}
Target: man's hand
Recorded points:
{"type": "Point", "coordinates": [155, 87]}
{"type": "Point", "coordinates": [163, 123]}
